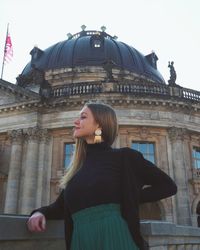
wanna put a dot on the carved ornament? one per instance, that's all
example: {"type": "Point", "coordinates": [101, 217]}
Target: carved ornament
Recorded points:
{"type": "Point", "coordinates": [16, 136]}
{"type": "Point", "coordinates": [178, 133]}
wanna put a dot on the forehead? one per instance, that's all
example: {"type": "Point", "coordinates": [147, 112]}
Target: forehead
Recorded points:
{"type": "Point", "coordinates": [86, 110]}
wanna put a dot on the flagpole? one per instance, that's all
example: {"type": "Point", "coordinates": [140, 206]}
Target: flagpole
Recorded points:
{"type": "Point", "coordinates": [2, 69]}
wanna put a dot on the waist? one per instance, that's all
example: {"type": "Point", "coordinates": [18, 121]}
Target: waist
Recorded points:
{"type": "Point", "coordinates": [96, 213]}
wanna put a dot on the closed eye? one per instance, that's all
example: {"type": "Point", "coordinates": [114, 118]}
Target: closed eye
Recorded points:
{"type": "Point", "coordinates": [83, 117]}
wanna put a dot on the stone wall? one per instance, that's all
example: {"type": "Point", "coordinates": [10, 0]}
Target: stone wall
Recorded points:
{"type": "Point", "coordinates": [160, 235]}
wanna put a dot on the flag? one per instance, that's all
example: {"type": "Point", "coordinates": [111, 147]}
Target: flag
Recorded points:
{"type": "Point", "coordinates": [8, 52]}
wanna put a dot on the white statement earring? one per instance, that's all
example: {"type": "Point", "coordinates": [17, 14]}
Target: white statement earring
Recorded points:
{"type": "Point", "coordinates": [97, 138]}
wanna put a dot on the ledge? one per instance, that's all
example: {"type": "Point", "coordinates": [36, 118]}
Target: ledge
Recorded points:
{"type": "Point", "coordinates": [15, 235]}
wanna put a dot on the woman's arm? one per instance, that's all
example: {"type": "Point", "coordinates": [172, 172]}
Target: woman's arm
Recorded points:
{"type": "Point", "coordinates": [156, 184]}
{"type": "Point", "coordinates": [54, 211]}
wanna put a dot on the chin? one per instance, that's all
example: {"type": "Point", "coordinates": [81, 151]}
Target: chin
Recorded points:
{"type": "Point", "coordinates": [76, 135]}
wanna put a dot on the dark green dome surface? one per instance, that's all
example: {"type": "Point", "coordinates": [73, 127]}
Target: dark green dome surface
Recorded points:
{"type": "Point", "coordinates": [94, 48]}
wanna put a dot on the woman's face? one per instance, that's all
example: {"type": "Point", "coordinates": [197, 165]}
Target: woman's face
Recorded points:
{"type": "Point", "coordinates": [85, 125]}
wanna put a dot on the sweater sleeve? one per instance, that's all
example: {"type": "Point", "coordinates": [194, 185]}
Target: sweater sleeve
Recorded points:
{"type": "Point", "coordinates": [55, 210]}
{"type": "Point", "coordinates": [154, 183]}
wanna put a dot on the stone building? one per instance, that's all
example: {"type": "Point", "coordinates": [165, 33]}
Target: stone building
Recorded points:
{"type": "Point", "coordinates": [36, 120]}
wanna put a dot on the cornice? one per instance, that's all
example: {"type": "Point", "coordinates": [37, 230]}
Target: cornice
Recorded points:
{"type": "Point", "coordinates": [114, 100]}
{"type": "Point", "coordinates": [20, 106]}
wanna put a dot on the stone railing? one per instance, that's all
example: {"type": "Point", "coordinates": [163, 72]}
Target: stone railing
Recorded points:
{"type": "Point", "coordinates": [76, 89]}
{"type": "Point", "coordinates": [142, 89]}
{"type": "Point", "coordinates": [159, 234]}
{"type": "Point", "coordinates": [191, 94]}
{"type": "Point", "coordinates": [152, 90]}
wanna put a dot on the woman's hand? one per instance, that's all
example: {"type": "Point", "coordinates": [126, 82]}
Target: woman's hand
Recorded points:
{"type": "Point", "coordinates": [37, 222]}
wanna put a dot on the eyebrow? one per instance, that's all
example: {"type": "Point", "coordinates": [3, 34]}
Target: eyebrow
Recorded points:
{"type": "Point", "coordinates": [81, 113]}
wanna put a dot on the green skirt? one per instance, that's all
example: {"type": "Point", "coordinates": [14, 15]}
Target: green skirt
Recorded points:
{"type": "Point", "coordinates": [101, 228]}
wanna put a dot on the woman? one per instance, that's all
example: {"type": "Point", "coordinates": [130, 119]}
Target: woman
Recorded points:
{"type": "Point", "coordinates": [103, 188]}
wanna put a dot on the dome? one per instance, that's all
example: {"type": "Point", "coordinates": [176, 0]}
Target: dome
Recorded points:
{"type": "Point", "coordinates": [94, 48]}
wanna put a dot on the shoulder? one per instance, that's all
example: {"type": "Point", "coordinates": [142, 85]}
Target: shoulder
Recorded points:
{"type": "Point", "coordinates": [128, 154]}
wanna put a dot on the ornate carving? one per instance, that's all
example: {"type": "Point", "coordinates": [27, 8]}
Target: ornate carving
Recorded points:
{"type": "Point", "coordinates": [178, 133]}
{"type": "Point", "coordinates": [44, 135]}
{"type": "Point", "coordinates": [16, 136]}
{"type": "Point", "coordinates": [36, 133]}
{"type": "Point", "coordinates": [144, 133]}
{"type": "Point", "coordinates": [31, 133]}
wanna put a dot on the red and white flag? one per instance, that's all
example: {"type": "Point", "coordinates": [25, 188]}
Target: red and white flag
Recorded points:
{"type": "Point", "coordinates": [8, 53]}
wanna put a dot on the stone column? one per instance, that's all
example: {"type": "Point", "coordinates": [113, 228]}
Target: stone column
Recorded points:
{"type": "Point", "coordinates": [29, 189]}
{"type": "Point", "coordinates": [179, 155]}
{"type": "Point", "coordinates": [13, 183]}
{"type": "Point", "coordinates": [123, 138]}
{"type": "Point", "coordinates": [43, 188]}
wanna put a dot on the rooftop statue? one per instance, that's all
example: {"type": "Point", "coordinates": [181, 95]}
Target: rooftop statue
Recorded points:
{"type": "Point", "coordinates": [172, 80]}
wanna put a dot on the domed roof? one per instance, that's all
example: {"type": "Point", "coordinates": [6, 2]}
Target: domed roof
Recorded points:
{"type": "Point", "coordinates": [94, 48]}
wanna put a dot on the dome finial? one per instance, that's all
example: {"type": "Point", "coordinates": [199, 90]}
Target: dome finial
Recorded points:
{"type": "Point", "coordinates": [83, 27]}
{"type": "Point", "coordinates": [103, 28]}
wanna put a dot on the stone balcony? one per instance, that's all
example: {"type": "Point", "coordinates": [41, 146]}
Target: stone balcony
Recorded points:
{"type": "Point", "coordinates": [159, 234]}
{"type": "Point", "coordinates": [136, 89]}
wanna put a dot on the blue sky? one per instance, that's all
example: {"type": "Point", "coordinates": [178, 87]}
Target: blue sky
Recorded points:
{"type": "Point", "coordinates": [171, 28]}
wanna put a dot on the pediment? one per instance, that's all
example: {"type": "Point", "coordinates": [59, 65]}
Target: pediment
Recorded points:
{"type": "Point", "coordinates": [11, 94]}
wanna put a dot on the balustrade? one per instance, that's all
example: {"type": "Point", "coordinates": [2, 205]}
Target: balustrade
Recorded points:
{"type": "Point", "coordinates": [125, 88]}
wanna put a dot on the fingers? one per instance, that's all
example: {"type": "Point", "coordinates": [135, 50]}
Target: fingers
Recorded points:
{"type": "Point", "coordinates": [36, 223]}
{"type": "Point", "coordinates": [43, 223]}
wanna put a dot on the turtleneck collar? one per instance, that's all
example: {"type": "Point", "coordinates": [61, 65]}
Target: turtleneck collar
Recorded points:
{"type": "Point", "coordinates": [98, 147]}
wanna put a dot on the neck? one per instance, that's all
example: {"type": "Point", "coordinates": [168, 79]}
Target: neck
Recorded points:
{"type": "Point", "coordinates": [91, 140]}
{"type": "Point", "coordinates": [97, 146]}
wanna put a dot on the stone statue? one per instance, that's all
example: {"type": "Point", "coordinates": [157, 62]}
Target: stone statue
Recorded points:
{"type": "Point", "coordinates": [172, 80]}
{"type": "Point", "coordinates": [108, 66]}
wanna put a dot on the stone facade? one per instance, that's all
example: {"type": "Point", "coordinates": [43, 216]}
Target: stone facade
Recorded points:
{"type": "Point", "coordinates": [33, 132]}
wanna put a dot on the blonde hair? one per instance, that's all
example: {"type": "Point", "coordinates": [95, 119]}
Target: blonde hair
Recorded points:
{"type": "Point", "coordinates": [105, 116]}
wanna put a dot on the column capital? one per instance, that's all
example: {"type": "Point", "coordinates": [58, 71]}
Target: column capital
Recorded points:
{"type": "Point", "coordinates": [16, 136]}
{"type": "Point", "coordinates": [44, 135]}
{"type": "Point", "coordinates": [36, 134]}
{"type": "Point", "coordinates": [178, 133]}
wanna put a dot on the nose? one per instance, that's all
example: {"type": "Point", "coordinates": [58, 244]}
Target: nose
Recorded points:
{"type": "Point", "coordinates": [76, 122]}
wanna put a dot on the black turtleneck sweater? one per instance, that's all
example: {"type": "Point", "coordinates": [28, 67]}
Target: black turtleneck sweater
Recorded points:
{"type": "Point", "coordinates": [98, 180]}
{"type": "Point", "coordinates": [111, 176]}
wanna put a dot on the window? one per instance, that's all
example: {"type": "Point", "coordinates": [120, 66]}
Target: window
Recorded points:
{"type": "Point", "coordinates": [97, 42]}
{"type": "Point", "coordinates": [146, 148]}
{"type": "Point", "coordinates": [68, 152]}
{"type": "Point", "coordinates": [196, 157]}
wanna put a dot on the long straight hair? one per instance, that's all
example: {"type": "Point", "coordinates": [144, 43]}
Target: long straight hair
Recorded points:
{"type": "Point", "coordinates": [105, 116]}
